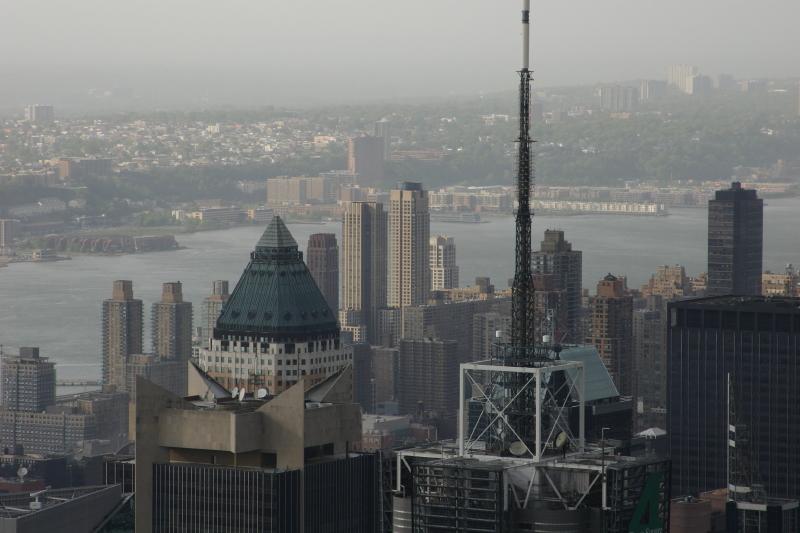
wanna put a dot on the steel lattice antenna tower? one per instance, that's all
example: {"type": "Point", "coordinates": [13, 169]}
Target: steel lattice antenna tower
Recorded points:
{"type": "Point", "coordinates": [523, 337]}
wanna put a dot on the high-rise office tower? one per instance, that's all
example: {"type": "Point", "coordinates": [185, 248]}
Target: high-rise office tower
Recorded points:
{"type": "Point", "coordinates": [322, 258]}
{"type": "Point", "coordinates": [365, 159]}
{"type": "Point", "coordinates": [556, 257]}
{"type": "Point", "coordinates": [123, 327]}
{"type": "Point", "coordinates": [735, 242]}
{"type": "Point", "coordinates": [444, 271]}
{"type": "Point", "coordinates": [8, 230]}
{"type": "Point", "coordinates": [487, 330]}
{"type": "Point", "coordinates": [551, 308]}
{"type": "Point", "coordinates": [39, 114]}
{"type": "Point", "coordinates": [172, 324]}
{"type": "Point", "coordinates": [409, 237]}
{"type": "Point", "coordinates": [611, 331]}
{"type": "Point", "coordinates": [364, 255]}
{"type": "Point", "coordinates": [212, 307]}
{"type": "Point", "coordinates": [428, 380]}
{"type": "Point", "coordinates": [650, 362]}
{"type": "Point", "coordinates": [383, 129]}
{"type": "Point", "coordinates": [754, 343]}
{"type": "Point", "coordinates": [276, 328]}
{"type": "Point", "coordinates": [29, 381]}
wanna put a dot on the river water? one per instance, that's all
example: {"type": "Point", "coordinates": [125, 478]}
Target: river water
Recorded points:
{"type": "Point", "coordinates": [57, 306]}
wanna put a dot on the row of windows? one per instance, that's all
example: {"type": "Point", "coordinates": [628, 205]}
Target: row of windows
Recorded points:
{"type": "Point", "coordinates": [289, 362]}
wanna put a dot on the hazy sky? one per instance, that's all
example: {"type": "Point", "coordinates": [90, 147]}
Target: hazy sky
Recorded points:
{"type": "Point", "coordinates": [283, 51]}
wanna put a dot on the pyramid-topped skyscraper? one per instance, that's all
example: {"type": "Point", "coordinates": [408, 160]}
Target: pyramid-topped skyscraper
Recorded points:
{"type": "Point", "coordinates": [276, 327]}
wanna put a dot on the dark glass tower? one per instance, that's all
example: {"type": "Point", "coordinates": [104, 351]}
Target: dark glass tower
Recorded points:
{"type": "Point", "coordinates": [754, 341]}
{"type": "Point", "coordinates": [322, 257]}
{"type": "Point", "coordinates": [735, 242]}
{"type": "Point", "coordinates": [556, 257]}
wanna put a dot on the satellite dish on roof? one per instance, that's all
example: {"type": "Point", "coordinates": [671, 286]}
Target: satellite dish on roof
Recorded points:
{"type": "Point", "coordinates": [518, 449]}
{"type": "Point", "coordinates": [235, 392]}
{"type": "Point", "coordinates": [22, 472]}
{"type": "Point", "coordinates": [261, 394]}
{"type": "Point", "coordinates": [241, 394]}
{"type": "Point", "coordinates": [561, 440]}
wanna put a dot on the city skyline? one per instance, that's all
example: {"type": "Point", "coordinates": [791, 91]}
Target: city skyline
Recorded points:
{"type": "Point", "coordinates": [638, 372]}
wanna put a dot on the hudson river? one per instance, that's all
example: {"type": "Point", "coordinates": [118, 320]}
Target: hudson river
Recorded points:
{"type": "Point", "coordinates": [57, 306]}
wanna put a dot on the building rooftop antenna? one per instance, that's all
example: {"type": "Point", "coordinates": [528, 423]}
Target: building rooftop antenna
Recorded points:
{"type": "Point", "coordinates": [522, 301]}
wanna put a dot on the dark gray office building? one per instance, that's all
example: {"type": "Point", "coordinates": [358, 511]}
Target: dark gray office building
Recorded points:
{"type": "Point", "coordinates": [322, 258]}
{"type": "Point", "coordinates": [557, 258]}
{"type": "Point", "coordinates": [428, 381]}
{"type": "Point", "coordinates": [735, 242]}
{"type": "Point", "coordinates": [756, 341]}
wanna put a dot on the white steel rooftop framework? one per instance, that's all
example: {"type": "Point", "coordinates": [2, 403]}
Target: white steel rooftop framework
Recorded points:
{"type": "Point", "coordinates": [553, 399]}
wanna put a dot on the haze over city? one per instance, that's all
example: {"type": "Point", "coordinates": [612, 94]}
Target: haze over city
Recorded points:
{"type": "Point", "coordinates": [423, 266]}
{"type": "Point", "coordinates": [183, 53]}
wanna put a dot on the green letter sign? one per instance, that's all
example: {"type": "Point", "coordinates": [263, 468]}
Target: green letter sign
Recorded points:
{"type": "Point", "coordinates": [646, 518]}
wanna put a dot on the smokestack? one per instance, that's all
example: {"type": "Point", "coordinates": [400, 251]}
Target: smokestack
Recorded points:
{"type": "Point", "coordinates": [526, 33]}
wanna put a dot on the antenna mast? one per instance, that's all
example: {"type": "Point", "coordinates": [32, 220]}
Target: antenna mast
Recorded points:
{"type": "Point", "coordinates": [523, 336]}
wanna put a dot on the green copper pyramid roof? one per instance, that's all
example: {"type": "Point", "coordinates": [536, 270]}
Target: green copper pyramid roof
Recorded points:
{"type": "Point", "coordinates": [276, 236]}
{"type": "Point", "coordinates": [276, 297]}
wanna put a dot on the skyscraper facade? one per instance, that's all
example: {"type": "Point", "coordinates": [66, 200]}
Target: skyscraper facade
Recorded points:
{"type": "Point", "coordinates": [611, 331]}
{"type": "Point", "coordinates": [172, 324]}
{"type": "Point", "coordinates": [212, 307]}
{"type": "Point", "coordinates": [409, 237]}
{"type": "Point", "coordinates": [753, 343]}
{"type": "Point", "coordinates": [550, 308]}
{"type": "Point", "coordinates": [650, 361]}
{"type": "Point", "coordinates": [365, 159]}
{"type": "Point", "coordinates": [322, 258]}
{"type": "Point", "coordinates": [123, 324]}
{"type": "Point", "coordinates": [735, 242]}
{"type": "Point", "coordinates": [29, 381]}
{"type": "Point", "coordinates": [557, 258]}
{"type": "Point", "coordinates": [276, 328]}
{"type": "Point", "coordinates": [428, 380]}
{"type": "Point", "coordinates": [444, 271]}
{"type": "Point", "coordinates": [363, 266]}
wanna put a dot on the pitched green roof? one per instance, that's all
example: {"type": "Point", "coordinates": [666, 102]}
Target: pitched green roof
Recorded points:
{"type": "Point", "coordinates": [276, 296]}
{"type": "Point", "coordinates": [276, 235]}
{"type": "Point", "coordinates": [599, 384]}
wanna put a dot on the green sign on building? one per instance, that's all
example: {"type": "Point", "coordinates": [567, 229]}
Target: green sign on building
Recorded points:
{"type": "Point", "coordinates": [646, 517]}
